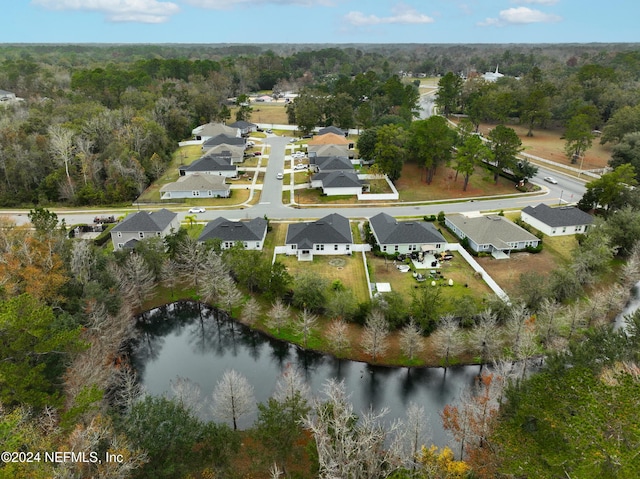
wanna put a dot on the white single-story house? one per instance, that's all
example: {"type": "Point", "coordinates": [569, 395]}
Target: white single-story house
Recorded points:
{"type": "Point", "coordinates": [235, 152]}
{"type": "Point", "coordinates": [564, 220]}
{"type": "Point", "coordinates": [141, 225]}
{"type": "Point", "coordinates": [338, 182]}
{"type": "Point", "coordinates": [196, 186]}
{"type": "Point", "coordinates": [330, 235]}
{"type": "Point", "coordinates": [395, 236]}
{"type": "Point", "coordinates": [250, 234]}
{"type": "Point", "coordinates": [245, 127]}
{"type": "Point", "coordinates": [492, 234]}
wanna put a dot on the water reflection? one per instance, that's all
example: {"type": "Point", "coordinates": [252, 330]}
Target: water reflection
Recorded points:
{"type": "Point", "coordinates": [196, 342]}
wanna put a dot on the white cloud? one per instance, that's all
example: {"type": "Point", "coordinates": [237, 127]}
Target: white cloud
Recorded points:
{"type": "Point", "coordinates": [142, 11]}
{"type": "Point", "coordinates": [401, 14]}
{"type": "Point", "coordinates": [520, 16]}
{"type": "Point", "coordinates": [537, 2]}
{"type": "Point", "coordinates": [231, 4]}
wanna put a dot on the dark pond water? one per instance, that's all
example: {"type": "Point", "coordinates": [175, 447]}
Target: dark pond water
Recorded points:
{"type": "Point", "coordinates": [176, 340]}
{"type": "Point", "coordinates": [632, 305]}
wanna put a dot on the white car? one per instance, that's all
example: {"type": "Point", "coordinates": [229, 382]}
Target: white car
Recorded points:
{"type": "Point", "coordinates": [300, 166]}
{"type": "Point", "coordinates": [550, 179]}
{"type": "Point", "coordinates": [298, 154]}
{"type": "Point", "coordinates": [197, 209]}
{"type": "Point", "coordinates": [279, 176]}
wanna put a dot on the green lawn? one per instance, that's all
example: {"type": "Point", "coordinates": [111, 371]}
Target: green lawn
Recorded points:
{"type": "Point", "coordinates": [348, 269]}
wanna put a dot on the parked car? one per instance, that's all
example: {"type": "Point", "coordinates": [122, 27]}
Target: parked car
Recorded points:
{"type": "Point", "coordinates": [197, 209]}
{"type": "Point", "coordinates": [300, 166]}
{"type": "Point", "coordinates": [269, 131]}
{"type": "Point", "coordinates": [279, 176]}
{"type": "Point", "coordinates": [550, 179]}
{"type": "Point", "coordinates": [257, 153]}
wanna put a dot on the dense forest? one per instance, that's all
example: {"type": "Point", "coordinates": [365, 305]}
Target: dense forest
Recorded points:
{"type": "Point", "coordinates": [99, 123]}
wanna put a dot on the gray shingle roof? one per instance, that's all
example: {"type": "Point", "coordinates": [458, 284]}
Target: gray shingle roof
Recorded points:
{"type": "Point", "coordinates": [332, 229]}
{"type": "Point", "coordinates": [558, 217]}
{"type": "Point", "coordinates": [227, 230]}
{"type": "Point", "coordinates": [145, 221]}
{"type": "Point", "coordinates": [242, 124]}
{"type": "Point", "coordinates": [331, 129]}
{"type": "Point", "coordinates": [338, 179]}
{"type": "Point", "coordinates": [388, 230]}
{"type": "Point", "coordinates": [197, 182]}
{"type": "Point", "coordinates": [210, 163]}
{"type": "Point", "coordinates": [492, 229]}
{"type": "Point", "coordinates": [327, 163]}
{"type": "Point", "coordinates": [220, 139]}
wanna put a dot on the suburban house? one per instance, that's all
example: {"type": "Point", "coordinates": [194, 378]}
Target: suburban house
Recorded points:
{"type": "Point", "coordinates": [223, 140]}
{"type": "Point", "coordinates": [211, 165]}
{"type": "Point", "coordinates": [331, 163]}
{"type": "Point", "coordinates": [331, 139]}
{"type": "Point", "coordinates": [250, 234]}
{"type": "Point", "coordinates": [491, 234]}
{"type": "Point", "coordinates": [141, 225]}
{"type": "Point", "coordinates": [210, 130]}
{"type": "Point", "coordinates": [338, 182]}
{"type": "Point", "coordinates": [395, 236]}
{"type": "Point", "coordinates": [564, 220]}
{"type": "Point", "coordinates": [330, 235]}
{"type": "Point", "coordinates": [332, 129]}
{"type": "Point", "coordinates": [244, 126]}
{"type": "Point", "coordinates": [196, 186]}
{"type": "Point", "coordinates": [329, 150]}
{"type": "Point", "coordinates": [235, 152]}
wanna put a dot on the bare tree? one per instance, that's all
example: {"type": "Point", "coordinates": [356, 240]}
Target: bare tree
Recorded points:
{"type": "Point", "coordinates": [291, 384]}
{"type": "Point", "coordinates": [213, 273]}
{"type": "Point", "coordinates": [304, 325]}
{"type": "Point", "coordinates": [170, 274]}
{"type": "Point", "coordinates": [136, 280]}
{"type": "Point", "coordinates": [82, 261]}
{"type": "Point", "coordinates": [484, 340]}
{"type": "Point", "coordinates": [348, 447]}
{"type": "Point", "coordinates": [230, 295]}
{"type": "Point", "coordinates": [411, 341]}
{"type": "Point", "coordinates": [251, 311]}
{"type": "Point", "coordinates": [447, 339]}
{"type": "Point", "coordinates": [63, 150]}
{"type": "Point", "coordinates": [128, 388]}
{"type": "Point", "coordinates": [338, 337]}
{"type": "Point", "coordinates": [547, 324]}
{"type": "Point", "coordinates": [278, 315]}
{"type": "Point", "coordinates": [415, 432]}
{"type": "Point", "coordinates": [275, 472]}
{"type": "Point", "coordinates": [190, 258]}
{"type": "Point", "coordinates": [233, 397]}
{"type": "Point", "coordinates": [374, 337]}
{"type": "Point", "coordinates": [188, 393]}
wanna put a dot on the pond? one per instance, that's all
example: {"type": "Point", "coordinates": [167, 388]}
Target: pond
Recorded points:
{"type": "Point", "coordinates": [180, 340]}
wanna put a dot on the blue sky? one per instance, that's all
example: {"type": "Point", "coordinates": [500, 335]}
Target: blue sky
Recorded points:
{"type": "Point", "coordinates": [319, 21]}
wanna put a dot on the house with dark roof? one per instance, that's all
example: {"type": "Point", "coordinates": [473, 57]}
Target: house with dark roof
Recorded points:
{"type": "Point", "coordinates": [250, 234]}
{"type": "Point", "coordinates": [332, 129]}
{"type": "Point", "coordinates": [330, 235]}
{"type": "Point", "coordinates": [218, 164]}
{"type": "Point", "coordinates": [395, 236]}
{"type": "Point", "coordinates": [223, 140]}
{"type": "Point", "coordinates": [563, 220]}
{"type": "Point", "coordinates": [244, 126]}
{"type": "Point", "coordinates": [196, 186]}
{"type": "Point", "coordinates": [330, 163]}
{"type": "Point", "coordinates": [491, 234]}
{"type": "Point", "coordinates": [141, 225]}
{"type": "Point", "coordinates": [338, 182]}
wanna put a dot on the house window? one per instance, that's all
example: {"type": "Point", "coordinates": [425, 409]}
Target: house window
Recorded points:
{"type": "Point", "coordinates": [119, 234]}
{"type": "Point", "coordinates": [553, 232]}
{"type": "Point", "coordinates": [348, 247]}
{"type": "Point", "coordinates": [141, 234]}
{"type": "Point", "coordinates": [210, 193]}
{"type": "Point", "coordinates": [395, 248]}
{"type": "Point", "coordinates": [246, 245]}
{"type": "Point", "coordinates": [195, 193]}
{"type": "Point", "coordinates": [158, 233]}
{"type": "Point", "coordinates": [564, 229]}
{"type": "Point", "coordinates": [438, 246]}
{"type": "Point", "coordinates": [335, 247]}
{"type": "Point", "coordinates": [384, 248]}
{"type": "Point", "coordinates": [120, 245]}
{"type": "Point", "coordinates": [578, 228]}
{"type": "Point", "coordinates": [257, 244]}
